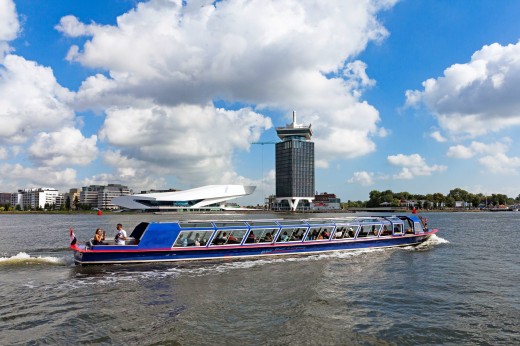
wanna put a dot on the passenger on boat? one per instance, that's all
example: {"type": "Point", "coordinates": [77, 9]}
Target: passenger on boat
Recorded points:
{"type": "Point", "coordinates": [386, 231]}
{"type": "Point", "coordinates": [182, 241]}
{"type": "Point", "coordinates": [251, 238]}
{"type": "Point", "coordinates": [375, 231]}
{"type": "Point", "coordinates": [232, 239]}
{"type": "Point", "coordinates": [99, 236]}
{"type": "Point", "coordinates": [120, 235]}
{"type": "Point", "coordinates": [339, 233]}
{"type": "Point", "coordinates": [285, 236]}
{"type": "Point", "coordinates": [350, 232]}
{"type": "Point", "coordinates": [197, 239]}
{"type": "Point", "coordinates": [268, 237]}
{"type": "Point", "coordinates": [221, 239]}
{"type": "Point", "coordinates": [326, 234]}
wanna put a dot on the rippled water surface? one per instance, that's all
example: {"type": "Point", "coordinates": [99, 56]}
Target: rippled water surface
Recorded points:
{"type": "Point", "coordinates": [461, 287]}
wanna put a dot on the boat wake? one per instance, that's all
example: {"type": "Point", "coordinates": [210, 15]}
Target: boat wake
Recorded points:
{"type": "Point", "coordinates": [433, 241]}
{"type": "Point", "coordinates": [22, 259]}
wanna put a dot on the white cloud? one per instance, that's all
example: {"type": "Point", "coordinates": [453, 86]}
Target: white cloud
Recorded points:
{"type": "Point", "coordinates": [438, 136]}
{"type": "Point", "coordinates": [477, 148]}
{"type": "Point", "coordinates": [3, 153]}
{"type": "Point", "coordinates": [501, 163]}
{"type": "Point", "coordinates": [271, 55]}
{"type": "Point", "coordinates": [30, 100]}
{"type": "Point", "coordinates": [363, 178]}
{"type": "Point", "coordinates": [9, 25]}
{"type": "Point", "coordinates": [478, 97]}
{"type": "Point", "coordinates": [64, 147]}
{"type": "Point", "coordinates": [412, 166]}
{"type": "Point", "coordinates": [37, 177]}
{"type": "Point", "coordinates": [460, 152]}
{"type": "Point", "coordinates": [190, 142]}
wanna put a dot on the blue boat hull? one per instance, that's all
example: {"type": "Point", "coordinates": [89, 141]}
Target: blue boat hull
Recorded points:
{"type": "Point", "coordinates": [114, 254]}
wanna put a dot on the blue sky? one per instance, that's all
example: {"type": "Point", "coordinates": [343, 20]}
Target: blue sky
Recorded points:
{"type": "Point", "coordinates": [417, 96]}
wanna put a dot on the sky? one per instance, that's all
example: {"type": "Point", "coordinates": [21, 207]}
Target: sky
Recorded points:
{"type": "Point", "coordinates": [417, 96]}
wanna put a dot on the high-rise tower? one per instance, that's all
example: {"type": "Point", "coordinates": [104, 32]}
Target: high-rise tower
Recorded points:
{"type": "Point", "coordinates": [294, 164]}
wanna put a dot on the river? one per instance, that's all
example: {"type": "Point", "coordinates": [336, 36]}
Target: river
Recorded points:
{"type": "Point", "coordinates": [461, 287]}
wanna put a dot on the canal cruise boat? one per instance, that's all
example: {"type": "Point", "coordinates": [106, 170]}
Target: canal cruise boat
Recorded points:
{"type": "Point", "coordinates": [204, 240]}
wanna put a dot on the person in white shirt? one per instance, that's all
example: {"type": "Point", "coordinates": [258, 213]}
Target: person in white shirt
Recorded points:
{"type": "Point", "coordinates": [121, 235]}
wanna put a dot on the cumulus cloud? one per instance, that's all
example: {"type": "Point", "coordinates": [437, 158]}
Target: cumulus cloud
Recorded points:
{"type": "Point", "coordinates": [501, 163]}
{"type": "Point", "coordinates": [475, 148]}
{"type": "Point", "coordinates": [190, 142]}
{"type": "Point", "coordinates": [438, 136]}
{"type": "Point", "coordinates": [477, 97]}
{"type": "Point", "coordinates": [64, 147]}
{"type": "Point", "coordinates": [412, 166]}
{"type": "Point", "coordinates": [30, 100]}
{"type": "Point", "coordinates": [282, 55]}
{"type": "Point", "coordinates": [3, 153]}
{"type": "Point", "coordinates": [9, 26]}
{"type": "Point", "coordinates": [363, 178]}
{"type": "Point", "coordinates": [38, 177]}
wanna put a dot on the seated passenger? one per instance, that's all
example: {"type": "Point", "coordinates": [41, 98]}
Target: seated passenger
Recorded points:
{"type": "Point", "coordinates": [233, 240]}
{"type": "Point", "coordinates": [386, 231]}
{"type": "Point", "coordinates": [326, 234]}
{"type": "Point", "coordinates": [99, 236]}
{"type": "Point", "coordinates": [339, 233]}
{"type": "Point", "coordinates": [182, 241]}
{"type": "Point", "coordinates": [268, 237]}
{"type": "Point", "coordinates": [350, 233]}
{"type": "Point", "coordinates": [221, 239]}
{"type": "Point", "coordinates": [284, 237]}
{"type": "Point", "coordinates": [250, 238]}
{"type": "Point", "coordinates": [197, 239]}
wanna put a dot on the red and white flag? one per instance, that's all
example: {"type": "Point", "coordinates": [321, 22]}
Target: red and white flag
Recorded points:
{"type": "Point", "coordinates": [73, 239]}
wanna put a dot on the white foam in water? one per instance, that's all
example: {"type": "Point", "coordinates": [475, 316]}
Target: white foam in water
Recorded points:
{"type": "Point", "coordinates": [431, 242]}
{"type": "Point", "coordinates": [24, 258]}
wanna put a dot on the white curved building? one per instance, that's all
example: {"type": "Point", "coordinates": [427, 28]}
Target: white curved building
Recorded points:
{"type": "Point", "coordinates": [210, 197]}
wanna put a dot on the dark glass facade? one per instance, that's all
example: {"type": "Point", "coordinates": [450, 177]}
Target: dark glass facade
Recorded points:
{"type": "Point", "coordinates": [295, 168]}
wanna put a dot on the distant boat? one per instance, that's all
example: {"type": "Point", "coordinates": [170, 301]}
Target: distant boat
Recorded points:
{"type": "Point", "coordinates": [199, 240]}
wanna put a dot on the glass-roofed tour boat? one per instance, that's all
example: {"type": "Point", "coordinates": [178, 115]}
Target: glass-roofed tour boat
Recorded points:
{"type": "Point", "coordinates": [198, 240]}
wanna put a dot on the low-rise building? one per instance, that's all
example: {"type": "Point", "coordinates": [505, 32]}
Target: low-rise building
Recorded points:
{"type": "Point", "coordinates": [35, 198]}
{"type": "Point", "coordinates": [100, 196]}
{"type": "Point", "coordinates": [326, 201]}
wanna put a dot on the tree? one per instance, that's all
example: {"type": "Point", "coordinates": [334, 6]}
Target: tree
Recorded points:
{"type": "Point", "coordinates": [76, 202]}
{"type": "Point", "coordinates": [67, 203]}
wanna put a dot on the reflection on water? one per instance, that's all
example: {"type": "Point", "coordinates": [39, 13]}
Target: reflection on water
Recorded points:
{"type": "Point", "coordinates": [459, 287]}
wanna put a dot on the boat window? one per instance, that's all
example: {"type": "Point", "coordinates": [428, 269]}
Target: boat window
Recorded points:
{"type": "Point", "coordinates": [229, 237]}
{"type": "Point", "coordinates": [319, 233]}
{"type": "Point", "coordinates": [188, 224]}
{"type": "Point", "coordinates": [262, 223]}
{"type": "Point", "coordinates": [291, 234]}
{"type": "Point", "coordinates": [230, 224]}
{"type": "Point", "coordinates": [345, 231]}
{"type": "Point", "coordinates": [261, 235]}
{"type": "Point", "coordinates": [398, 228]}
{"type": "Point", "coordinates": [368, 231]}
{"type": "Point", "coordinates": [292, 222]}
{"type": "Point", "coordinates": [193, 238]}
{"type": "Point", "coordinates": [319, 222]}
{"type": "Point", "coordinates": [418, 227]}
{"type": "Point", "coordinates": [387, 229]}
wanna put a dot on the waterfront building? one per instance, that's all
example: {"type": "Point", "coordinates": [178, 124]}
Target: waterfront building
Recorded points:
{"type": "Point", "coordinates": [326, 201]}
{"type": "Point", "coordinates": [101, 196]}
{"type": "Point", "coordinates": [37, 198]}
{"type": "Point", "coordinates": [5, 198]}
{"type": "Point", "coordinates": [294, 167]}
{"type": "Point", "coordinates": [73, 195]}
{"type": "Point", "coordinates": [205, 198]}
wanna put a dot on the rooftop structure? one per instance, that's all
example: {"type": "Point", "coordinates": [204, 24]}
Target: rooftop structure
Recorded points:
{"type": "Point", "coordinates": [210, 197]}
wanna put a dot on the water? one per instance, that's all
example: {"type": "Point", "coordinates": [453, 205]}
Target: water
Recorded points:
{"type": "Point", "coordinates": [461, 287]}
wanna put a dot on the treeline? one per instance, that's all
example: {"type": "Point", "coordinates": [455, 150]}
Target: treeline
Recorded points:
{"type": "Point", "coordinates": [433, 201]}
